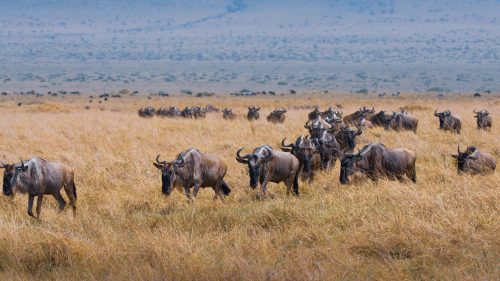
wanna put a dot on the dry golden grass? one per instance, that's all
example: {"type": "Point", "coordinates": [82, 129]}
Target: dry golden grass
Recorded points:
{"type": "Point", "coordinates": [445, 227]}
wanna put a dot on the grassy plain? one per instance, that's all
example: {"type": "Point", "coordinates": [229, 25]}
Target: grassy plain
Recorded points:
{"type": "Point", "coordinates": [445, 227]}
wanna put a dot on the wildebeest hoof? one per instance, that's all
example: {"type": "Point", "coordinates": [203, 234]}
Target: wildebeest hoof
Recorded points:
{"type": "Point", "coordinates": [31, 214]}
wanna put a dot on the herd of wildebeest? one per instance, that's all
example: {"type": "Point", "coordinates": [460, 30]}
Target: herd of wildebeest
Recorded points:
{"type": "Point", "coordinates": [330, 137]}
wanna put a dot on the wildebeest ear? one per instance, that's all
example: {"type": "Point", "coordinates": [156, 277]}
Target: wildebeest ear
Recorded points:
{"type": "Point", "coordinates": [159, 166]}
{"type": "Point", "coordinates": [454, 156]}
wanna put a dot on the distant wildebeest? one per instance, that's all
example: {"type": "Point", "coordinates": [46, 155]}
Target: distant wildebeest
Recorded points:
{"type": "Point", "coordinates": [147, 112]}
{"type": "Point", "coordinates": [474, 161]}
{"type": "Point", "coordinates": [448, 121]}
{"type": "Point", "coordinates": [198, 112]}
{"type": "Point", "coordinates": [253, 113]}
{"type": "Point", "coordinates": [193, 169]}
{"type": "Point", "coordinates": [307, 154]}
{"type": "Point", "coordinates": [402, 121]}
{"type": "Point", "coordinates": [277, 116]}
{"type": "Point", "coordinates": [211, 108]}
{"type": "Point", "coordinates": [375, 160]}
{"type": "Point", "coordinates": [483, 120]}
{"type": "Point", "coordinates": [227, 113]}
{"type": "Point", "coordinates": [353, 119]}
{"type": "Point", "coordinates": [267, 165]}
{"type": "Point", "coordinates": [328, 148]}
{"type": "Point", "coordinates": [187, 112]}
{"type": "Point", "coordinates": [38, 177]}
{"type": "Point", "coordinates": [169, 112]}
{"type": "Point", "coordinates": [346, 138]}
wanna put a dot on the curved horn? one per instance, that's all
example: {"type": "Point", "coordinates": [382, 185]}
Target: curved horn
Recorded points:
{"type": "Point", "coordinates": [160, 162]}
{"type": "Point", "coordinates": [475, 111]}
{"type": "Point", "coordinates": [242, 157]}
{"type": "Point", "coordinates": [435, 111]}
{"type": "Point", "coordinates": [269, 155]}
{"type": "Point", "coordinates": [299, 140]}
{"type": "Point", "coordinates": [458, 148]}
{"type": "Point", "coordinates": [307, 137]}
{"type": "Point", "coordinates": [180, 163]}
{"type": "Point", "coordinates": [285, 145]}
{"type": "Point", "coordinates": [307, 125]}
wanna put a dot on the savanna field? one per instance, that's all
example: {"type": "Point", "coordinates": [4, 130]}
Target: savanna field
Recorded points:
{"type": "Point", "coordinates": [444, 227]}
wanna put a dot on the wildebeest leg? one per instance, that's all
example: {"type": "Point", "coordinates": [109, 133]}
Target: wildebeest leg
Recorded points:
{"type": "Point", "coordinates": [39, 205]}
{"type": "Point", "coordinates": [196, 189]}
{"type": "Point", "coordinates": [263, 187]}
{"type": "Point", "coordinates": [187, 191]}
{"type": "Point", "coordinates": [31, 198]}
{"type": "Point", "coordinates": [60, 200]}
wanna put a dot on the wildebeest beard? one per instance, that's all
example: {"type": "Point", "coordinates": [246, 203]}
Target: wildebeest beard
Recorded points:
{"type": "Point", "coordinates": [7, 188]}
{"type": "Point", "coordinates": [254, 174]}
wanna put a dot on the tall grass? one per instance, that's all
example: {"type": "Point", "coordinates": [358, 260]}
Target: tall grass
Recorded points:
{"type": "Point", "coordinates": [444, 227]}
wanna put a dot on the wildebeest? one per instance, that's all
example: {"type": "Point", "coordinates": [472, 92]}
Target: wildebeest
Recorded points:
{"type": "Point", "coordinates": [307, 154]}
{"type": "Point", "coordinates": [317, 127]}
{"type": "Point", "coordinates": [267, 165]}
{"type": "Point", "coordinates": [147, 112]}
{"type": "Point", "coordinates": [346, 138]}
{"type": "Point", "coordinates": [277, 116]}
{"type": "Point", "coordinates": [353, 118]}
{"type": "Point", "coordinates": [193, 169]}
{"type": "Point", "coordinates": [448, 121]}
{"type": "Point", "coordinates": [314, 114]}
{"type": "Point", "coordinates": [227, 113]}
{"type": "Point", "coordinates": [211, 108]}
{"type": "Point", "coordinates": [187, 112]}
{"type": "Point", "coordinates": [38, 177]}
{"type": "Point", "coordinates": [483, 120]}
{"type": "Point", "coordinates": [328, 148]}
{"type": "Point", "coordinates": [474, 161]}
{"type": "Point", "coordinates": [169, 112]}
{"type": "Point", "coordinates": [403, 121]}
{"type": "Point", "coordinates": [378, 119]}
{"type": "Point", "coordinates": [253, 113]}
{"type": "Point", "coordinates": [198, 112]}
{"type": "Point", "coordinates": [376, 160]}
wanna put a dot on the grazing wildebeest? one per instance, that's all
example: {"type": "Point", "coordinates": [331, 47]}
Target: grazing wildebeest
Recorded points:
{"type": "Point", "coordinates": [267, 165]}
{"type": "Point", "coordinates": [253, 113]}
{"type": "Point", "coordinates": [187, 112]}
{"type": "Point", "coordinates": [403, 121]}
{"type": "Point", "coordinates": [227, 113]}
{"type": "Point", "coordinates": [376, 160]}
{"type": "Point", "coordinates": [38, 177]}
{"type": "Point", "coordinates": [307, 154]}
{"type": "Point", "coordinates": [483, 120]}
{"type": "Point", "coordinates": [347, 138]}
{"type": "Point", "coordinates": [193, 169]}
{"type": "Point", "coordinates": [329, 149]}
{"type": "Point", "coordinates": [277, 116]}
{"type": "Point", "coordinates": [474, 161]}
{"type": "Point", "coordinates": [147, 112]}
{"type": "Point", "coordinates": [448, 121]}
{"type": "Point", "coordinates": [378, 119]}
{"type": "Point", "coordinates": [353, 118]}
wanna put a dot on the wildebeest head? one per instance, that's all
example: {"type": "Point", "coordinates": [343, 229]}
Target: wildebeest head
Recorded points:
{"type": "Point", "coordinates": [253, 112]}
{"type": "Point", "coordinates": [303, 148]}
{"type": "Point", "coordinates": [10, 175]}
{"type": "Point", "coordinates": [463, 157]}
{"type": "Point", "coordinates": [255, 161]}
{"type": "Point", "coordinates": [442, 116]}
{"type": "Point", "coordinates": [481, 115]}
{"type": "Point", "coordinates": [348, 165]}
{"type": "Point", "coordinates": [366, 111]}
{"type": "Point", "coordinates": [348, 136]}
{"type": "Point", "coordinates": [167, 173]}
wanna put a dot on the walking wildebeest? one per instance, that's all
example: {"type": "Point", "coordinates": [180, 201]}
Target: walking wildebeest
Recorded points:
{"type": "Point", "coordinates": [307, 154]}
{"type": "Point", "coordinates": [253, 113]}
{"type": "Point", "coordinates": [403, 121]}
{"type": "Point", "coordinates": [353, 118]}
{"type": "Point", "coordinates": [483, 120]}
{"type": "Point", "coordinates": [448, 121]}
{"type": "Point", "coordinates": [38, 177]}
{"type": "Point", "coordinates": [267, 165]}
{"type": "Point", "coordinates": [376, 160]}
{"type": "Point", "coordinates": [277, 116]}
{"type": "Point", "coordinates": [193, 169]}
{"type": "Point", "coordinates": [474, 161]}
{"type": "Point", "coordinates": [227, 113]}
{"type": "Point", "coordinates": [347, 138]}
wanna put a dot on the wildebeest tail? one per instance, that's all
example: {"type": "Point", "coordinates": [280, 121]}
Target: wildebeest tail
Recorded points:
{"type": "Point", "coordinates": [225, 188]}
{"type": "Point", "coordinates": [296, 184]}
